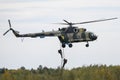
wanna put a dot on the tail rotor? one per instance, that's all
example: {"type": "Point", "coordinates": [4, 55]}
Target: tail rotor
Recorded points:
{"type": "Point", "coordinates": [8, 29]}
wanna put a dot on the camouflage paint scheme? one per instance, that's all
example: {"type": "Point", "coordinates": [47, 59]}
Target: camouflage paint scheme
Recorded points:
{"type": "Point", "coordinates": [66, 35]}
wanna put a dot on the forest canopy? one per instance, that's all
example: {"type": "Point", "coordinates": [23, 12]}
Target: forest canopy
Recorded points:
{"type": "Point", "coordinates": [92, 72]}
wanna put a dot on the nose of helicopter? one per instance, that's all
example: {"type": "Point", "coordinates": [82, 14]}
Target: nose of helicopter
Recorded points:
{"type": "Point", "coordinates": [94, 37]}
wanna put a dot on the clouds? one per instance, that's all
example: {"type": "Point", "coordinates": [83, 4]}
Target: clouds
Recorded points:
{"type": "Point", "coordinates": [62, 8]}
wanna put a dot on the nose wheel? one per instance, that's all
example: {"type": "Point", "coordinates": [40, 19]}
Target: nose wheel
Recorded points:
{"type": "Point", "coordinates": [70, 45]}
{"type": "Point", "coordinates": [87, 45]}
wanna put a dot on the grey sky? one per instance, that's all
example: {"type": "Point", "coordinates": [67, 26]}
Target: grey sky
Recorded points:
{"type": "Point", "coordinates": [35, 16]}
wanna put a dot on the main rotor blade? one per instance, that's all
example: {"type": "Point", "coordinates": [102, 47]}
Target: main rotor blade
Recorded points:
{"type": "Point", "coordinates": [96, 21]}
{"type": "Point", "coordinates": [66, 21]}
{"type": "Point", "coordinates": [9, 23]}
{"type": "Point", "coordinates": [62, 23]}
{"type": "Point", "coordinates": [6, 32]}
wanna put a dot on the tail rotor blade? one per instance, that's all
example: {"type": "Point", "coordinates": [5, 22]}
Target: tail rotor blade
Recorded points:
{"type": "Point", "coordinates": [6, 32]}
{"type": "Point", "coordinates": [9, 23]}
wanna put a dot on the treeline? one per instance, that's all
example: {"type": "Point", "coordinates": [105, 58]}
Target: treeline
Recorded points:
{"type": "Point", "coordinates": [92, 72]}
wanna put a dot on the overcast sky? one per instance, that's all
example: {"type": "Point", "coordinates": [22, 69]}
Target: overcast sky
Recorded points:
{"type": "Point", "coordinates": [36, 15]}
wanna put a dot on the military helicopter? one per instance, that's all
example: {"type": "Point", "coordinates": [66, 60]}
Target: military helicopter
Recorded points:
{"type": "Point", "coordinates": [66, 35]}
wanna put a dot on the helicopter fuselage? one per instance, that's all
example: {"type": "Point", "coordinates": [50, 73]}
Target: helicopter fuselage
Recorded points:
{"type": "Point", "coordinates": [74, 34]}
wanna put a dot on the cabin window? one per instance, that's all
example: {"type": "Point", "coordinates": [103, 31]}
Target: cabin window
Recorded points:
{"type": "Point", "coordinates": [76, 30]}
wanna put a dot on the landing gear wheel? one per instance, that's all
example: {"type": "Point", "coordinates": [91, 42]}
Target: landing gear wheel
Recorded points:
{"type": "Point", "coordinates": [70, 45]}
{"type": "Point", "coordinates": [63, 45]}
{"type": "Point", "coordinates": [87, 45]}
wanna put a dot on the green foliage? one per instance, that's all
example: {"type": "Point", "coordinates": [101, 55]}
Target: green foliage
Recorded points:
{"type": "Point", "coordinates": [92, 72]}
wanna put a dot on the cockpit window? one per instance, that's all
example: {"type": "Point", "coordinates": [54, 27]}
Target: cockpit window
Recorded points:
{"type": "Point", "coordinates": [91, 35]}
